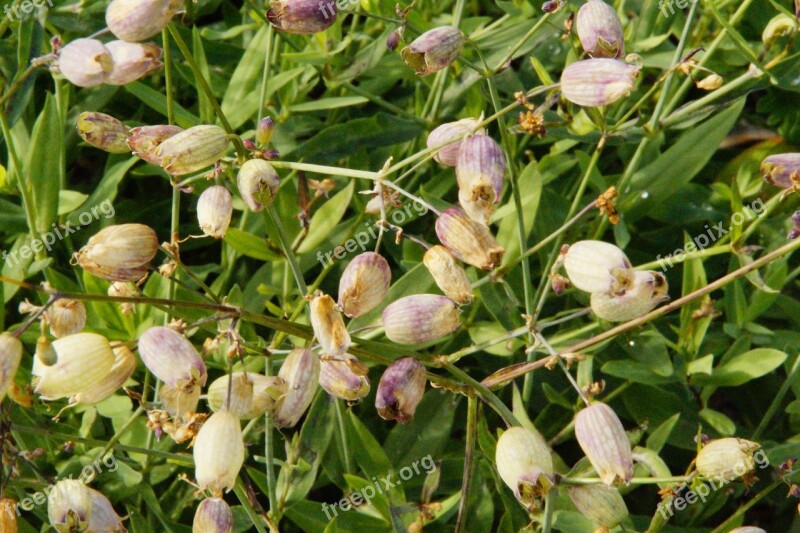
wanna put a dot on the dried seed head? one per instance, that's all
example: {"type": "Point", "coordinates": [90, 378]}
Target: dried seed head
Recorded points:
{"type": "Point", "coordinates": [120, 289]}
{"type": "Point", "coordinates": [420, 318]}
{"type": "Point", "coordinates": [266, 128]}
{"type": "Point", "coordinates": [193, 149]}
{"type": "Point", "coordinates": [481, 169]}
{"type": "Point", "coordinates": [597, 266]}
{"type": "Point", "coordinates": [467, 240]}
{"type": "Point", "coordinates": [214, 211]}
{"type": "Point", "coordinates": [137, 20]}
{"type": "Point", "coordinates": [344, 377]}
{"type": "Point", "coordinates": [104, 518]}
{"type": "Point", "coordinates": [172, 358]}
{"type": "Point", "coordinates": [119, 253]}
{"type": "Point", "coordinates": [213, 516]}
{"type": "Point", "coordinates": [179, 402]}
{"type": "Point", "coordinates": [478, 210]}
{"type": "Point", "coordinates": [85, 62]}
{"type": "Point", "coordinates": [364, 284]}
{"type": "Point", "coordinates": [726, 459]}
{"type": "Point", "coordinates": [434, 50]}
{"type": "Point", "coordinates": [121, 370]}
{"type": "Point", "coordinates": [218, 452]}
{"type": "Point", "coordinates": [601, 504]}
{"type": "Point", "coordinates": [8, 516]}
{"type": "Point", "coordinates": [604, 441]}
{"type": "Point", "coordinates": [300, 371]}
{"type": "Point", "coordinates": [258, 184]}
{"type": "Point", "coordinates": [104, 132]}
{"type": "Point", "coordinates": [302, 16]}
{"type": "Point", "coordinates": [132, 61]}
{"type": "Point", "coordinates": [782, 170]}
{"type": "Point", "coordinates": [83, 361]}
{"type": "Point", "coordinates": [69, 506]}
{"type": "Point", "coordinates": [143, 141]}
{"type": "Point", "coordinates": [597, 82]}
{"type": "Point", "coordinates": [452, 132]}
{"type": "Point", "coordinates": [252, 395]}
{"type": "Point", "coordinates": [400, 390]}
{"type": "Point", "coordinates": [711, 82]}
{"type": "Point", "coordinates": [10, 357]}
{"type": "Point", "coordinates": [66, 317]}
{"type": "Point", "coordinates": [600, 30]}
{"type": "Point", "coordinates": [329, 328]}
{"type": "Point", "coordinates": [448, 274]}
{"type": "Point", "coordinates": [525, 464]}
{"type": "Point", "coordinates": [649, 288]}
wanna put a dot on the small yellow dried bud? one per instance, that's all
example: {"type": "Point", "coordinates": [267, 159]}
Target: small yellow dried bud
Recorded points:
{"type": "Point", "coordinates": [329, 328]}
{"type": "Point", "coordinates": [66, 317]}
{"type": "Point", "coordinates": [364, 284]}
{"type": "Point", "coordinates": [104, 132]}
{"type": "Point", "coordinates": [252, 395]}
{"type": "Point", "coordinates": [727, 459]}
{"type": "Point", "coordinates": [525, 464]}
{"type": "Point", "coordinates": [448, 274]}
{"type": "Point", "coordinates": [467, 240]}
{"type": "Point", "coordinates": [10, 357]}
{"type": "Point", "coordinates": [82, 363]}
{"type": "Point", "coordinates": [214, 211]}
{"type": "Point", "coordinates": [604, 441]}
{"type": "Point", "coordinates": [219, 452]}
{"type": "Point", "coordinates": [710, 83]}
{"type": "Point", "coordinates": [601, 504]}
{"type": "Point", "coordinates": [300, 371]}
{"type": "Point", "coordinates": [193, 149]}
{"type": "Point", "coordinates": [119, 253]}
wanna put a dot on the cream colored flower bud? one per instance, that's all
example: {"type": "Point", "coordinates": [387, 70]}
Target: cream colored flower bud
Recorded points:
{"type": "Point", "coordinates": [525, 464]}
{"type": "Point", "coordinates": [600, 30]}
{"type": "Point", "coordinates": [452, 132]}
{"type": "Point", "coordinates": [104, 518]}
{"type": "Point", "coordinates": [400, 390]}
{"type": "Point", "coordinates": [66, 317]}
{"type": "Point", "coordinates": [104, 132]}
{"type": "Point", "coordinates": [344, 377]}
{"type": "Point", "coordinates": [329, 328]}
{"type": "Point", "coordinates": [467, 240]}
{"type": "Point", "coordinates": [252, 394]}
{"type": "Point", "coordinates": [179, 401]}
{"type": "Point", "coordinates": [711, 82]}
{"type": "Point", "coordinates": [213, 516]}
{"type": "Point", "coordinates": [597, 266]}
{"type": "Point", "coordinates": [258, 184]}
{"type": "Point", "coordinates": [420, 318]}
{"type": "Point", "coordinates": [726, 459]}
{"type": "Point", "coordinates": [85, 62]}
{"type": "Point", "coordinates": [649, 289]}
{"type": "Point", "coordinates": [8, 516]}
{"type": "Point", "coordinates": [481, 169]}
{"type": "Point", "coordinates": [604, 441]}
{"type": "Point", "coordinates": [214, 211]}
{"type": "Point", "coordinates": [601, 504]}
{"type": "Point", "coordinates": [193, 149]}
{"type": "Point", "coordinates": [434, 50]}
{"type": "Point", "coordinates": [364, 284]}
{"type": "Point", "coordinates": [69, 506]}
{"type": "Point", "coordinates": [145, 140]}
{"type": "Point", "coordinates": [300, 372]}
{"type": "Point", "coordinates": [83, 361]}
{"type": "Point", "coordinates": [448, 274]}
{"type": "Point", "coordinates": [121, 289]}
{"type": "Point", "coordinates": [218, 452]}
{"type": "Point", "coordinates": [597, 82]}
{"type": "Point", "coordinates": [121, 371]}
{"type": "Point", "coordinates": [137, 20]}
{"type": "Point", "coordinates": [172, 358]}
{"type": "Point", "coordinates": [132, 61]}
{"type": "Point", "coordinates": [119, 253]}
{"type": "Point", "coordinates": [10, 357]}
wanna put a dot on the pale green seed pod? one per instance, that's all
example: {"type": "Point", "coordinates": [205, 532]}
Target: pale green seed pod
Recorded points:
{"type": "Point", "coordinates": [597, 266]}
{"type": "Point", "coordinates": [601, 504]}
{"type": "Point", "coordinates": [300, 371]}
{"type": "Point", "coordinates": [137, 20]}
{"type": "Point", "coordinates": [468, 240]}
{"type": "Point", "coordinates": [364, 284]}
{"type": "Point", "coordinates": [649, 289]}
{"type": "Point", "coordinates": [453, 133]}
{"type": "Point", "coordinates": [213, 516]}
{"type": "Point", "coordinates": [218, 452]}
{"type": "Point", "coordinates": [525, 464]}
{"type": "Point", "coordinates": [121, 371]}
{"type": "Point", "coordinates": [726, 459]}
{"type": "Point", "coordinates": [481, 169]}
{"type": "Point", "coordinates": [83, 361]}
{"type": "Point", "coordinates": [132, 61]}
{"type": "Point", "coordinates": [194, 149]}
{"type": "Point", "coordinates": [104, 518]}
{"type": "Point", "coordinates": [214, 211]}
{"type": "Point", "coordinates": [597, 82]}
{"type": "Point", "coordinates": [104, 132]}
{"type": "Point", "coordinates": [448, 274]}
{"type": "Point", "coordinates": [145, 140]}
{"type": "Point", "coordinates": [10, 357]}
{"type": "Point", "coordinates": [600, 30]}
{"type": "Point", "coordinates": [400, 390]}
{"type": "Point", "coordinates": [434, 50]}
{"type": "Point", "coordinates": [604, 441]}
{"type": "Point", "coordinates": [66, 317]}
{"type": "Point", "coordinates": [258, 184]}
{"type": "Point", "coordinates": [344, 377]}
{"type": "Point", "coordinates": [85, 62]}
{"type": "Point", "coordinates": [69, 506]}
{"type": "Point", "coordinates": [119, 253]}
{"type": "Point", "coordinates": [252, 395]}
{"type": "Point", "coordinates": [328, 324]}
{"type": "Point", "coordinates": [420, 318]}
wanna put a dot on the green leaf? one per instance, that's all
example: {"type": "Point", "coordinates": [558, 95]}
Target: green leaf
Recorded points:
{"type": "Point", "coordinates": [660, 435]}
{"type": "Point", "coordinates": [241, 98]}
{"type": "Point", "coordinates": [158, 102]}
{"type": "Point", "coordinates": [69, 201]}
{"type": "Point", "coordinates": [327, 218]}
{"type": "Point", "coordinates": [721, 423]}
{"type": "Point", "coordinates": [743, 368]}
{"type": "Point", "coordinates": [43, 178]}
{"type": "Point", "coordinates": [249, 245]}
{"type": "Point", "coordinates": [328, 103]}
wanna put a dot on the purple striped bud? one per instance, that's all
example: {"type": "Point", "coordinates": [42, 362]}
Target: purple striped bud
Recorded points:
{"type": "Point", "coordinates": [213, 516]}
{"type": "Point", "coordinates": [329, 328]}
{"type": "Point", "coordinates": [344, 377]}
{"type": "Point", "coordinates": [82, 362]}
{"type": "Point", "coordinates": [265, 130]}
{"type": "Point", "coordinates": [597, 266]}
{"type": "Point", "coordinates": [782, 170]}
{"type": "Point", "coordinates": [525, 464]}
{"type": "Point", "coordinates": [420, 318]}
{"type": "Point", "coordinates": [192, 150]}
{"type": "Point", "coordinates": [604, 441]}
{"type": "Point", "coordinates": [434, 50]}
{"type": "Point", "coordinates": [467, 240]}
{"type": "Point", "coordinates": [400, 390]}
{"type": "Point", "coordinates": [600, 30]}
{"type": "Point", "coordinates": [143, 141]}
{"type": "Point", "coordinates": [258, 184]}
{"type": "Point", "coordinates": [214, 211]}
{"type": "Point", "coordinates": [448, 274]}
{"type": "Point", "coordinates": [10, 357]}
{"type": "Point", "coordinates": [172, 358]}
{"type": "Point", "coordinates": [85, 62]}
{"type": "Point", "coordinates": [601, 504]}
{"type": "Point", "coordinates": [104, 132]}
{"type": "Point", "coordinates": [364, 284]}
{"type": "Point", "coordinates": [103, 517]}
{"type": "Point", "coordinates": [597, 82]}
{"type": "Point", "coordinates": [302, 16]}
{"type": "Point", "coordinates": [132, 61]}
{"type": "Point", "coordinates": [452, 132]}
{"type": "Point", "coordinates": [649, 289]}
{"type": "Point", "coordinates": [218, 453]}
{"type": "Point", "coordinates": [119, 253]}
{"type": "Point", "coordinates": [481, 169]}
{"type": "Point", "coordinates": [300, 371]}
{"type": "Point", "coordinates": [393, 41]}
{"type": "Point", "coordinates": [137, 20]}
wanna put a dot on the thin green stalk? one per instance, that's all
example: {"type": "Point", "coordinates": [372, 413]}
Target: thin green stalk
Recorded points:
{"type": "Point", "coordinates": [486, 395]}
{"type": "Point", "coordinates": [469, 461]}
{"type": "Point", "coordinates": [348, 460]}
{"type": "Point", "coordinates": [776, 401]}
{"type": "Point", "coordinates": [168, 76]}
{"type": "Point", "coordinates": [708, 99]}
{"type": "Point", "coordinates": [519, 44]}
{"type": "Point", "coordinates": [287, 251]}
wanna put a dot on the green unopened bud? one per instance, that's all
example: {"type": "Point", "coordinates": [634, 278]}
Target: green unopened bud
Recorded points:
{"type": "Point", "coordinates": [434, 50]}
{"type": "Point", "coordinates": [85, 62]}
{"type": "Point", "coordinates": [258, 184]}
{"type": "Point", "coordinates": [266, 127]}
{"type": "Point", "coordinates": [137, 20]}
{"type": "Point", "coordinates": [420, 318]}
{"type": "Point", "coordinates": [143, 141]}
{"type": "Point", "coordinates": [726, 459]}
{"type": "Point", "coordinates": [601, 504]}
{"type": "Point", "coordinates": [604, 441]}
{"type": "Point", "coordinates": [468, 240]}
{"type": "Point", "coordinates": [302, 16]}
{"type": "Point", "coordinates": [119, 253]}
{"type": "Point", "coordinates": [600, 30]}
{"type": "Point", "coordinates": [400, 390]}
{"type": "Point", "coordinates": [192, 150]}
{"type": "Point", "coordinates": [597, 82]}
{"type": "Point", "coordinates": [300, 371]}
{"type": "Point", "coordinates": [219, 452]}
{"type": "Point", "coordinates": [10, 357]}
{"type": "Point", "coordinates": [104, 132]}
{"type": "Point", "coordinates": [525, 464]}
{"type": "Point", "coordinates": [132, 61]}
{"type": "Point", "coordinates": [213, 516]}
{"type": "Point", "coordinates": [214, 211]}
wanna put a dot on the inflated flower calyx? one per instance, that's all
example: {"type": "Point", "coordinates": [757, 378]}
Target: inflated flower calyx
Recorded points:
{"type": "Point", "coordinates": [121, 371]}
{"type": "Point", "coordinates": [598, 267]}
{"type": "Point", "coordinates": [601, 504]}
{"type": "Point", "coordinates": [85, 62]}
{"type": "Point", "coordinates": [597, 82]}
{"type": "Point", "coordinates": [104, 518]}
{"type": "Point", "coordinates": [119, 253]}
{"type": "Point", "coordinates": [328, 325]}
{"type": "Point", "coordinates": [137, 20]}
{"type": "Point", "coordinates": [132, 61]}
{"type": "Point", "coordinates": [69, 506]}
{"type": "Point", "coordinates": [252, 394]}
{"type": "Point", "coordinates": [192, 150]}
{"type": "Point", "coordinates": [453, 133]}
{"type": "Point", "coordinates": [66, 317]}
{"type": "Point", "coordinates": [302, 16]}
{"type": "Point", "coordinates": [344, 377]}
{"type": "Point", "coordinates": [104, 132]}
{"type": "Point", "coordinates": [468, 240]}
{"type": "Point", "coordinates": [525, 464]}
{"type": "Point", "coordinates": [481, 170]}
{"type": "Point", "coordinates": [420, 318]}
{"type": "Point", "coordinates": [448, 274]}
{"type": "Point", "coordinates": [214, 211]}
{"type": "Point", "coordinates": [649, 288]}
{"type": "Point", "coordinates": [258, 184]}
{"type": "Point", "coordinates": [364, 284]}
{"type": "Point", "coordinates": [10, 357]}
{"type": "Point", "coordinates": [213, 515]}
{"type": "Point", "coordinates": [782, 170]}
{"type": "Point", "coordinates": [83, 361]}
{"type": "Point", "coordinates": [605, 443]}
{"type": "Point", "coordinates": [172, 358]}
{"type": "Point", "coordinates": [300, 372]}
{"type": "Point", "coordinates": [144, 140]}
{"type": "Point", "coordinates": [727, 459]}
{"type": "Point", "coordinates": [600, 30]}
{"type": "Point", "coordinates": [434, 50]}
{"type": "Point", "coordinates": [219, 452]}
{"type": "Point", "coordinates": [400, 390]}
